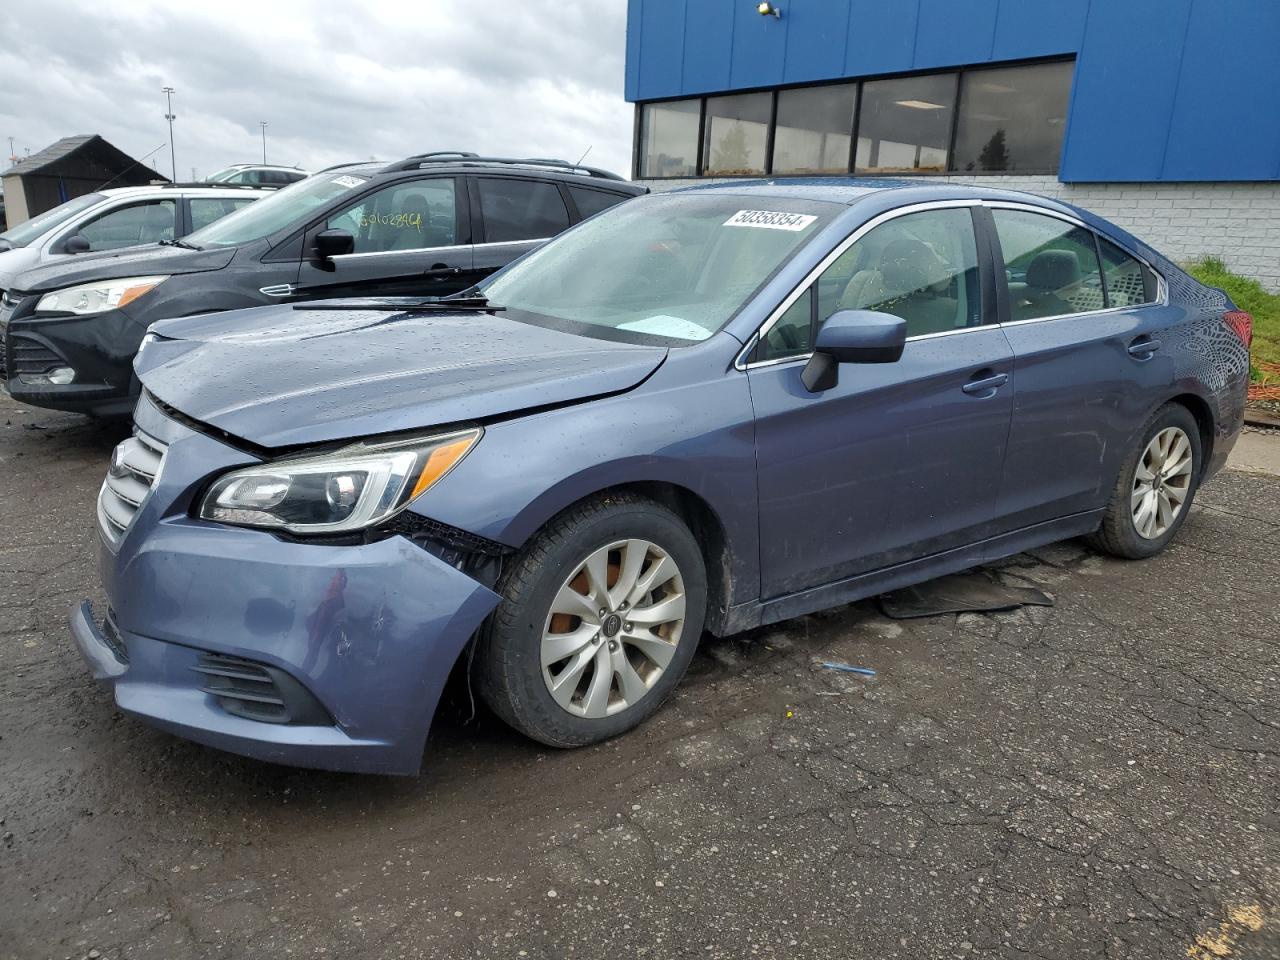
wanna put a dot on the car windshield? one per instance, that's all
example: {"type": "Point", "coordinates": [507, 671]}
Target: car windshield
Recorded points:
{"type": "Point", "coordinates": [222, 174]}
{"type": "Point", "coordinates": [24, 233]}
{"type": "Point", "coordinates": [283, 208]}
{"type": "Point", "coordinates": [676, 266]}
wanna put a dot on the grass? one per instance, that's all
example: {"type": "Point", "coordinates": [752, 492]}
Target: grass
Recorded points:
{"type": "Point", "coordinates": [1251, 296]}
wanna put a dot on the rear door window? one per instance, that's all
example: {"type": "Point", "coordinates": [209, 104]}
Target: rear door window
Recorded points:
{"type": "Point", "coordinates": [590, 202]}
{"type": "Point", "coordinates": [1051, 265]}
{"type": "Point", "coordinates": [139, 223]}
{"type": "Point", "coordinates": [1129, 283]}
{"type": "Point", "coordinates": [205, 210]}
{"type": "Point", "coordinates": [520, 209]}
{"type": "Point", "coordinates": [416, 215]}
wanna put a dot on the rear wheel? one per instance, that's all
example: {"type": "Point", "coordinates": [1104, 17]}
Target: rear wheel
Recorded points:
{"type": "Point", "coordinates": [1153, 494]}
{"type": "Point", "coordinates": [599, 619]}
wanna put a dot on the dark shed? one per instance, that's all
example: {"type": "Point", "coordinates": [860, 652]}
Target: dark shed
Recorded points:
{"type": "Point", "coordinates": [69, 168]}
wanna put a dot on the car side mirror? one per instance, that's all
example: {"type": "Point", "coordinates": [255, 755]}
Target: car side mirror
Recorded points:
{"type": "Point", "coordinates": [853, 336]}
{"type": "Point", "coordinates": [334, 243]}
{"type": "Point", "coordinates": [76, 244]}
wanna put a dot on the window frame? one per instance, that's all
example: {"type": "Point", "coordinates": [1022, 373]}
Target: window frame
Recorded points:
{"type": "Point", "coordinates": [853, 124]}
{"type": "Point", "coordinates": [462, 223]}
{"type": "Point", "coordinates": [990, 266]}
{"type": "Point", "coordinates": [1002, 283]}
{"type": "Point", "coordinates": [963, 75]}
{"type": "Point", "coordinates": [637, 152]}
{"type": "Point", "coordinates": [188, 209]}
{"type": "Point", "coordinates": [571, 201]}
{"type": "Point", "coordinates": [744, 360]}
{"type": "Point", "coordinates": [959, 71]}
{"type": "Point", "coordinates": [704, 134]}
{"type": "Point", "coordinates": [477, 208]}
{"type": "Point", "coordinates": [59, 245]}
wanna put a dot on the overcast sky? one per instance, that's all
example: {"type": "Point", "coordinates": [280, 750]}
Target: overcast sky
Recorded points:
{"type": "Point", "coordinates": [334, 81]}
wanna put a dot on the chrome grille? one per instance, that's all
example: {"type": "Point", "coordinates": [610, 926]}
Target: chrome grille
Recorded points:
{"type": "Point", "coordinates": [135, 463]}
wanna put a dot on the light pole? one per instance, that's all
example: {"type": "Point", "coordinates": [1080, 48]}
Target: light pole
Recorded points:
{"type": "Point", "coordinates": [169, 115]}
{"type": "Point", "coordinates": [263, 124]}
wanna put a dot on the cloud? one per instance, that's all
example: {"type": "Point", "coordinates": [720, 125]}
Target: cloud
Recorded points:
{"type": "Point", "coordinates": [334, 82]}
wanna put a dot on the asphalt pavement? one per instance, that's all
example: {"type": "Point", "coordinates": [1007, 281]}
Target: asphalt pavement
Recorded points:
{"type": "Point", "coordinates": [1096, 779]}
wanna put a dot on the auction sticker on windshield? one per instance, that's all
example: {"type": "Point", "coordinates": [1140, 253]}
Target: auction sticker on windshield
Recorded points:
{"type": "Point", "coordinates": [770, 220]}
{"type": "Point", "coordinates": [345, 181]}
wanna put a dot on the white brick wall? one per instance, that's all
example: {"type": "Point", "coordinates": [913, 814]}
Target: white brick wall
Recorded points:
{"type": "Point", "coordinates": [1237, 222]}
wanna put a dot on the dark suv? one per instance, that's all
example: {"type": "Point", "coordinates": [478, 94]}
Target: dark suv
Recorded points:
{"type": "Point", "coordinates": [430, 225]}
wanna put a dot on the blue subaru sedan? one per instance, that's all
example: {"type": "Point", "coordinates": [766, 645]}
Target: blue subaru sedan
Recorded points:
{"type": "Point", "coordinates": [699, 411]}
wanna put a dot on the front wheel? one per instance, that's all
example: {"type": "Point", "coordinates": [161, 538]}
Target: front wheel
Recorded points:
{"type": "Point", "coordinates": [599, 619]}
{"type": "Point", "coordinates": [1156, 486]}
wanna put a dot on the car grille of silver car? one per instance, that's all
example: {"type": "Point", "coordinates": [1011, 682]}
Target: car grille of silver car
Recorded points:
{"type": "Point", "coordinates": [135, 464]}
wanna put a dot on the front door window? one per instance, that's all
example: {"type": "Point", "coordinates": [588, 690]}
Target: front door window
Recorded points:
{"type": "Point", "coordinates": [130, 226]}
{"type": "Point", "coordinates": [922, 267]}
{"type": "Point", "coordinates": [416, 215]}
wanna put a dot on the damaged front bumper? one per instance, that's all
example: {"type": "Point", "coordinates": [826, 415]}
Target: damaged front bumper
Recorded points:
{"type": "Point", "coordinates": [316, 655]}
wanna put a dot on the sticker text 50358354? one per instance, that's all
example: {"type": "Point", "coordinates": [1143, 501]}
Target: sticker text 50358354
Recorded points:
{"type": "Point", "coordinates": [770, 220]}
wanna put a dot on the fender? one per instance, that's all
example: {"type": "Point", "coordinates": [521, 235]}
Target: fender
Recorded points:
{"type": "Point", "coordinates": [548, 461]}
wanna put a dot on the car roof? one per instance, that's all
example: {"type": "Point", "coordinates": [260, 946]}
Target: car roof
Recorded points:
{"type": "Point", "coordinates": [262, 166]}
{"type": "Point", "coordinates": [204, 190]}
{"type": "Point", "coordinates": [454, 163]}
{"type": "Point", "coordinates": [850, 190]}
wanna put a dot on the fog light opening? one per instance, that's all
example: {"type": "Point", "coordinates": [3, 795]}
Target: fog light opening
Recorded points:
{"type": "Point", "coordinates": [57, 377]}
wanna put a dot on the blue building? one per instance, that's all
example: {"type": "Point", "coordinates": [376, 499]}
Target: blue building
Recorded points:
{"type": "Point", "coordinates": [1163, 115]}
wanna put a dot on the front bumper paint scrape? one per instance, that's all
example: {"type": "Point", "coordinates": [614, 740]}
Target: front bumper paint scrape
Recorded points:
{"type": "Point", "coordinates": [372, 631]}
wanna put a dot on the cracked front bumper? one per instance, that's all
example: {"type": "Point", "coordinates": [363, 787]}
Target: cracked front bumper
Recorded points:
{"type": "Point", "coordinates": [369, 631]}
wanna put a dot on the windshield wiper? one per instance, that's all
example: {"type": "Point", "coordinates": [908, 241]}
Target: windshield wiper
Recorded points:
{"type": "Point", "coordinates": [457, 305]}
{"type": "Point", "coordinates": [180, 243]}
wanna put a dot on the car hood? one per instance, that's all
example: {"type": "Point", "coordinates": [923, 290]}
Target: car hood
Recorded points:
{"type": "Point", "coordinates": [283, 376]}
{"type": "Point", "coordinates": [13, 262]}
{"type": "Point", "coordinates": [131, 262]}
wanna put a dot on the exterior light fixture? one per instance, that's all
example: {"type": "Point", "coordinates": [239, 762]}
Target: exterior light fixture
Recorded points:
{"type": "Point", "coordinates": [767, 9]}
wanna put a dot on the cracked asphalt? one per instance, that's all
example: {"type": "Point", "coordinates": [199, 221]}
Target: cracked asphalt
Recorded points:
{"type": "Point", "coordinates": [1096, 779]}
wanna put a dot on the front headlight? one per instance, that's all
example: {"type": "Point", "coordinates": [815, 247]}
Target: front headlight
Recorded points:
{"type": "Point", "coordinates": [349, 489]}
{"type": "Point", "coordinates": [98, 297]}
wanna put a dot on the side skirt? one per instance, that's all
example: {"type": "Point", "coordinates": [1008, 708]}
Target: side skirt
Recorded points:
{"type": "Point", "coordinates": [756, 613]}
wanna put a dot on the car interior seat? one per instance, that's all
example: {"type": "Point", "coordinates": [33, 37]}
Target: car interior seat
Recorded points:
{"type": "Point", "coordinates": [1050, 274]}
{"type": "Point", "coordinates": [916, 284]}
{"type": "Point", "coordinates": [157, 223]}
{"type": "Point", "coordinates": [414, 230]}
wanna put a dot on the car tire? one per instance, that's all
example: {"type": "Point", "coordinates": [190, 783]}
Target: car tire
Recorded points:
{"type": "Point", "coordinates": [519, 662]}
{"type": "Point", "coordinates": [1147, 483]}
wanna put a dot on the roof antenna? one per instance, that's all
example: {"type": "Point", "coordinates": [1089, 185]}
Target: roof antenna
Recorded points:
{"type": "Point", "coordinates": [584, 155]}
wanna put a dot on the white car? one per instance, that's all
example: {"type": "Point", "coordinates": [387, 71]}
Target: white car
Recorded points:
{"type": "Point", "coordinates": [111, 219]}
{"type": "Point", "coordinates": [267, 176]}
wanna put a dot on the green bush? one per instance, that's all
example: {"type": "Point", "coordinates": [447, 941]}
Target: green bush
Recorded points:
{"type": "Point", "coordinates": [1248, 295]}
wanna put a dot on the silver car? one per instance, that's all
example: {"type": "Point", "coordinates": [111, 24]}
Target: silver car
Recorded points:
{"type": "Point", "coordinates": [113, 219]}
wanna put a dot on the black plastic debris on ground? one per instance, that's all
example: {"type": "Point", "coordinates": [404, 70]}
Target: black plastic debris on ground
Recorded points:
{"type": "Point", "coordinates": [975, 592]}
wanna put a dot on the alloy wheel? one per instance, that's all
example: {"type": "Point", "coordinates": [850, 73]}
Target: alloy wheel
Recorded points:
{"type": "Point", "coordinates": [1161, 483]}
{"type": "Point", "coordinates": [613, 628]}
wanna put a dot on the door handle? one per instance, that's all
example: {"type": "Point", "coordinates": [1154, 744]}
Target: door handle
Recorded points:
{"type": "Point", "coordinates": [985, 385]}
{"type": "Point", "coordinates": [1143, 347]}
{"type": "Point", "coordinates": [442, 270]}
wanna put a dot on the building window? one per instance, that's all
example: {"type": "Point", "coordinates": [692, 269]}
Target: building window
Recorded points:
{"type": "Point", "coordinates": [669, 138]}
{"type": "Point", "coordinates": [1012, 119]}
{"type": "Point", "coordinates": [737, 134]}
{"type": "Point", "coordinates": [1006, 119]}
{"type": "Point", "coordinates": [813, 131]}
{"type": "Point", "coordinates": [904, 125]}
